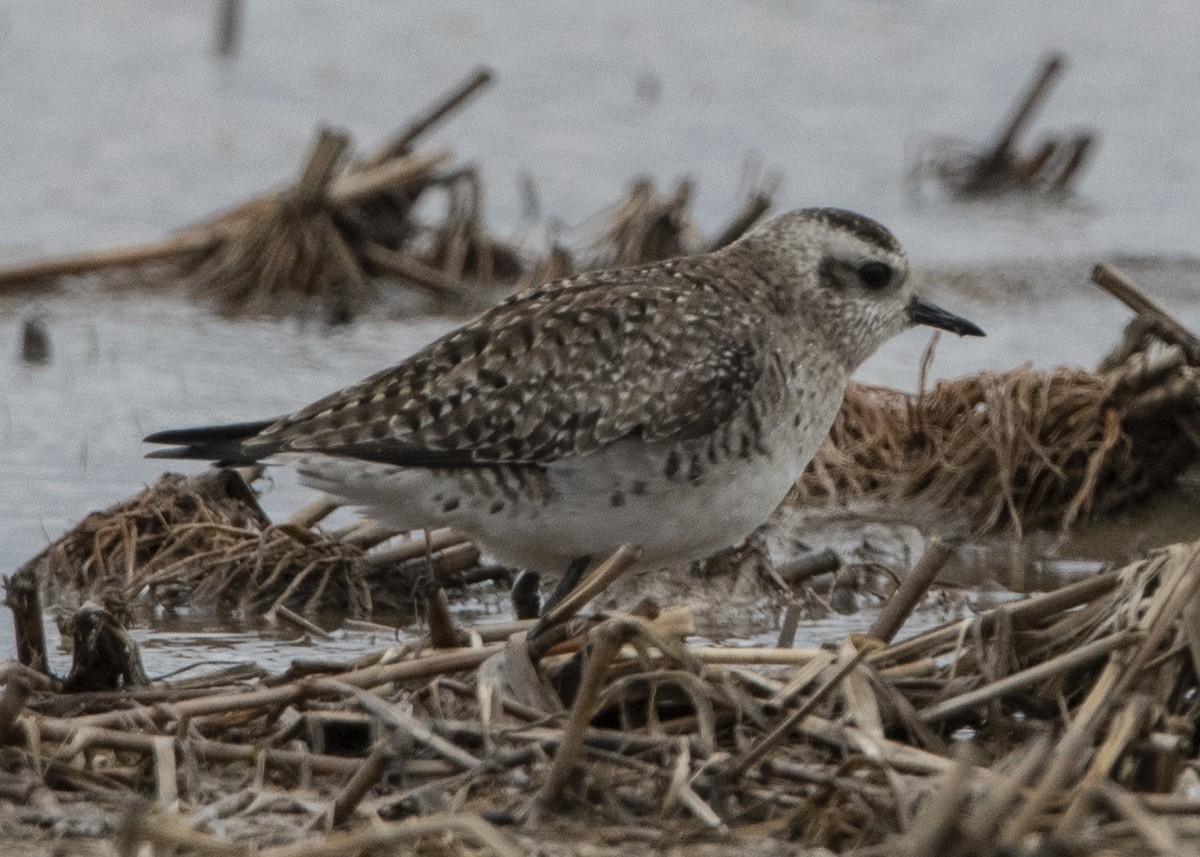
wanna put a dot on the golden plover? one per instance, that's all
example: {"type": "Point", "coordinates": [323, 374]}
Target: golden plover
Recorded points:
{"type": "Point", "coordinates": [672, 405]}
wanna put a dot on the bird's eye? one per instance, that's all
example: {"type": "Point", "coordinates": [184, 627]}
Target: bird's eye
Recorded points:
{"type": "Point", "coordinates": [874, 275]}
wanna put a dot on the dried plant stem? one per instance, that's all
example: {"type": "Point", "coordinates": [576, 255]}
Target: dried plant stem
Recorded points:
{"type": "Point", "coordinates": [1001, 150]}
{"type": "Point", "coordinates": [793, 718]}
{"type": "Point", "coordinates": [607, 641]}
{"type": "Point", "coordinates": [910, 592]}
{"type": "Point", "coordinates": [456, 98]}
{"type": "Point", "coordinates": [393, 175]}
{"type": "Point", "coordinates": [1031, 609]}
{"type": "Point", "coordinates": [1068, 660]}
{"type": "Point", "coordinates": [406, 723]}
{"type": "Point", "coordinates": [168, 250]}
{"type": "Point", "coordinates": [365, 776]}
{"type": "Point", "coordinates": [1118, 284]}
{"type": "Point", "coordinates": [596, 582]}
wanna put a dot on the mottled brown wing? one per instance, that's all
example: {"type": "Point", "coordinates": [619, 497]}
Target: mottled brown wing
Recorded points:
{"type": "Point", "coordinates": [652, 353]}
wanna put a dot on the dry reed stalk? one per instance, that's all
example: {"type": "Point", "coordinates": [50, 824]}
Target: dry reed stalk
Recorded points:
{"type": "Point", "coordinates": [167, 834]}
{"type": "Point", "coordinates": [996, 162]}
{"type": "Point", "coordinates": [1032, 609]}
{"type": "Point", "coordinates": [1127, 724]}
{"type": "Point", "coordinates": [1156, 835]}
{"type": "Point", "coordinates": [607, 640]}
{"type": "Point", "coordinates": [404, 722]}
{"type": "Point", "coordinates": [1068, 660]}
{"type": "Point", "coordinates": [1118, 284]}
{"type": "Point", "coordinates": [596, 582]}
{"type": "Point", "coordinates": [792, 719]}
{"type": "Point", "coordinates": [646, 228]}
{"type": "Point", "coordinates": [911, 590]}
{"type": "Point", "coordinates": [1179, 585]}
{"type": "Point", "coordinates": [364, 778]}
{"type": "Point", "coordinates": [171, 250]}
{"type": "Point", "coordinates": [314, 245]}
{"type": "Point", "coordinates": [456, 98]}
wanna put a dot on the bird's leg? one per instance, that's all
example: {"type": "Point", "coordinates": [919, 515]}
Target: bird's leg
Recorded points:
{"type": "Point", "coordinates": [569, 581]}
{"type": "Point", "coordinates": [526, 596]}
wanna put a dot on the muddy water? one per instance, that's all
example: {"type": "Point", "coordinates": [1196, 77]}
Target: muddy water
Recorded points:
{"type": "Point", "coordinates": [128, 127]}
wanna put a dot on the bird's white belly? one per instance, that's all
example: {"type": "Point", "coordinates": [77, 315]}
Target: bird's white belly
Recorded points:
{"type": "Point", "coordinates": [583, 506]}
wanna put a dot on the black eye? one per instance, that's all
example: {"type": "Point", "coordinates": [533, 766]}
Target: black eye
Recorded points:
{"type": "Point", "coordinates": [875, 275]}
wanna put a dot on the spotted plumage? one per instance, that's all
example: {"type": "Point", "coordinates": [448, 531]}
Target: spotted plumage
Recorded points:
{"type": "Point", "coordinates": [671, 404]}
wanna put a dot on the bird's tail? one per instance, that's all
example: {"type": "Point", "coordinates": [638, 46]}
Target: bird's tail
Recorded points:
{"type": "Point", "coordinates": [222, 444]}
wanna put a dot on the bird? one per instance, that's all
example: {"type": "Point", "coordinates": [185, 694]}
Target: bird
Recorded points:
{"type": "Point", "coordinates": [671, 405]}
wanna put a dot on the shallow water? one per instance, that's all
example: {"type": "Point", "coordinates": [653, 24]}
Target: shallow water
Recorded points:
{"type": "Point", "coordinates": [123, 124]}
{"type": "Point", "coordinates": [129, 127]}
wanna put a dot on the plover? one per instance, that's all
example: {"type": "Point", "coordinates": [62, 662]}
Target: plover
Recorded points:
{"type": "Point", "coordinates": [672, 405]}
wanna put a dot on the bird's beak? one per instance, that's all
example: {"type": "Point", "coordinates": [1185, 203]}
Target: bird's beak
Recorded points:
{"type": "Point", "coordinates": [921, 312]}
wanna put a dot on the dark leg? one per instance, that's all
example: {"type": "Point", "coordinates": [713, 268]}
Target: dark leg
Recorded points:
{"type": "Point", "coordinates": [569, 581]}
{"type": "Point", "coordinates": [525, 595]}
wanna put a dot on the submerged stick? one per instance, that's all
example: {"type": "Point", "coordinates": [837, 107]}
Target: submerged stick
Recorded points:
{"type": "Point", "coordinates": [282, 612]}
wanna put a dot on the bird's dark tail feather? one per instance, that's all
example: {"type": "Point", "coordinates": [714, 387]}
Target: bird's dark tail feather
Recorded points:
{"type": "Point", "coordinates": [222, 444]}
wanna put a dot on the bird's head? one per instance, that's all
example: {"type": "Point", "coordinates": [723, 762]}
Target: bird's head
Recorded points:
{"type": "Point", "coordinates": [847, 277]}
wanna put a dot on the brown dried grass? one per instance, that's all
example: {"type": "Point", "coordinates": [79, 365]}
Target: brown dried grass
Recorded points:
{"type": "Point", "coordinates": [202, 541]}
{"type": "Point", "coordinates": [1012, 451]}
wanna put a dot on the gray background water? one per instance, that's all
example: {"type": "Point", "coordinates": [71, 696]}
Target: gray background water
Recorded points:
{"type": "Point", "coordinates": [120, 125]}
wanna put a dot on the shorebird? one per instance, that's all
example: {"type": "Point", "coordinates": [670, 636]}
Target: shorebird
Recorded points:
{"type": "Point", "coordinates": [672, 405]}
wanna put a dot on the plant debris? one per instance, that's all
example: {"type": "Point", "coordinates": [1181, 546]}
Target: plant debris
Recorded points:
{"type": "Point", "coordinates": [971, 172]}
{"type": "Point", "coordinates": [1063, 723]}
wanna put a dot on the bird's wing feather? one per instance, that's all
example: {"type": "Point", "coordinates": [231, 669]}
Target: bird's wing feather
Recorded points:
{"type": "Point", "coordinates": [652, 353]}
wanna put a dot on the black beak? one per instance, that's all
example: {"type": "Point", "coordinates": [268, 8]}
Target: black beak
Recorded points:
{"type": "Point", "coordinates": [926, 313]}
